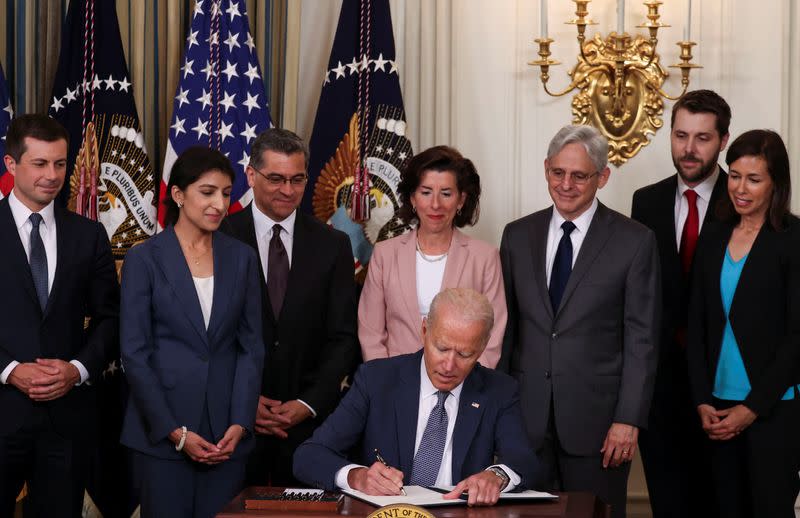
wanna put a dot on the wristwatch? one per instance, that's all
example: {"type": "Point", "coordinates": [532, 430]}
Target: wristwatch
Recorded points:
{"type": "Point", "coordinates": [501, 474]}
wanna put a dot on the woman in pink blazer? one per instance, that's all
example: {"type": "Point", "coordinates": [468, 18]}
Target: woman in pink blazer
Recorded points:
{"type": "Point", "coordinates": [440, 191]}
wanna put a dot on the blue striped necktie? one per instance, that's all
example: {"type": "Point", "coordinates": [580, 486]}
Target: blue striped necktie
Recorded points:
{"type": "Point", "coordinates": [428, 459]}
{"type": "Point", "coordinates": [38, 261]}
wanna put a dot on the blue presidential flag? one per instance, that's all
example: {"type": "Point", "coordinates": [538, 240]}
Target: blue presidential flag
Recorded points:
{"type": "Point", "coordinates": [111, 179]}
{"type": "Point", "coordinates": [220, 101]}
{"type": "Point", "coordinates": [359, 144]}
{"type": "Point", "coordinates": [6, 180]}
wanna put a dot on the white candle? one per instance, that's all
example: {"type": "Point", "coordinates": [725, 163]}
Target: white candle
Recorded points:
{"type": "Point", "coordinates": [687, 31]}
{"type": "Point", "coordinates": [543, 19]}
{"type": "Point", "coordinates": [620, 16]}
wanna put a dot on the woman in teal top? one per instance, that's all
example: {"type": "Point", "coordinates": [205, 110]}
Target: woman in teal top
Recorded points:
{"type": "Point", "coordinates": [744, 334]}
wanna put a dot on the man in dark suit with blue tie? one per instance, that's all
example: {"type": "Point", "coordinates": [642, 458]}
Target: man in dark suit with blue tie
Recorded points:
{"type": "Point", "coordinates": [56, 270]}
{"type": "Point", "coordinates": [583, 294]}
{"type": "Point", "coordinates": [435, 417]}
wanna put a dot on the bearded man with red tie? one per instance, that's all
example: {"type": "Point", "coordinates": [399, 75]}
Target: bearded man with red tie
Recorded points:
{"type": "Point", "coordinates": [673, 446]}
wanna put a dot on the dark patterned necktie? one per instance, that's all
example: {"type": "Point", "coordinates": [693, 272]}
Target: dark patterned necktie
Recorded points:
{"type": "Point", "coordinates": [38, 260]}
{"type": "Point", "coordinates": [428, 459]}
{"type": "Point", "coordinates": [562, 266]}
{"type": "Point", "coordinates": [277, 271]}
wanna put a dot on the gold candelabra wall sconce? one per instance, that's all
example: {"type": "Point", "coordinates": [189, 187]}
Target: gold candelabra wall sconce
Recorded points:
{"type": "Point", "coordinates": [618, 79]}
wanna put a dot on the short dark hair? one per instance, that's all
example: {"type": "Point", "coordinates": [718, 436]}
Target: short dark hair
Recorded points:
{"type": "Point", "coordinates": [442, 158]}
{"type": "Point", "coordinates": [35, 126]}
{"type": "Point", "coordinates": [193, 163]}
{"type": "Point", "coordinates": [768, 145]}
{"type": "Point", "coordinates": [705, 101]}
{"type": "Point", "coordinates": [278, 140]}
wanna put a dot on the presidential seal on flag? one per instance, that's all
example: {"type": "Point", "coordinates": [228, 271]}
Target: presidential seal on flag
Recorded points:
{"type": "Point", "coordinates": [116, 187]}
{"type": "Point", "coordinates": [111, 179]}
{"type": "Point", "coordinates": [359, 145]}
{"type": "Point", "coordinates": [387, 152]}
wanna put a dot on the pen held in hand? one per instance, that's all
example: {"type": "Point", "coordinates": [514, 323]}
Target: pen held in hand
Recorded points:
{"type": "Point", "coordinates": [380, 459]}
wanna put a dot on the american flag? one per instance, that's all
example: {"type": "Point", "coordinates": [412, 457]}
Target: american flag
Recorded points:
{"type": "Point", "coordinates": [6, 112]}
{"type": "Point", "coordinates": [220, 101]}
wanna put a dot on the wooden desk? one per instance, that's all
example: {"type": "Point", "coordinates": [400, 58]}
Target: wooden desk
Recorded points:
{"type": "Point", "coordinates": [569, 505]}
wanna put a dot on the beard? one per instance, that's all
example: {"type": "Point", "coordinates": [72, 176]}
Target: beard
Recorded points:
{"type": "Point", "coordinates": [706, 168]}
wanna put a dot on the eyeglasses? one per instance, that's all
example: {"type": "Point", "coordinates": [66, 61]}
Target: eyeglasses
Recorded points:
{"type": "Point", "coordinates": [577, 177]}
{"type": "Point", "coordinates": [276, 180]}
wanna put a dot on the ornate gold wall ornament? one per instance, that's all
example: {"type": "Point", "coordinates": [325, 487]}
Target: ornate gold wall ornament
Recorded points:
{"type": "Point", "coordinates": [619, 81]}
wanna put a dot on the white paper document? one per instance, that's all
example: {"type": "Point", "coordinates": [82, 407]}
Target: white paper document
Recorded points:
{"type": "Point", "coordinates": [424, 497]}
{"type": "Point", "coordinates": [528, 494]}
{"type": "Point", "coordinates": [415, 495]}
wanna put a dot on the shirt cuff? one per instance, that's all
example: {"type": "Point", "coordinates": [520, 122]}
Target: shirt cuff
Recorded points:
{"type": "Point", "coordinates": [7, 371]}
{"type": "Point", "coordinates": [313, 413]}
{"type": "Point", "coordinates": [82, 370]}
{"type": "Point", "coordinates": [513, 479]}
{"type": "Point", "coordinates": [341, 476]}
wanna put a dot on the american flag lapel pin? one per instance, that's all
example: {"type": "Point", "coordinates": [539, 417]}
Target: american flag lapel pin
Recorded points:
{"type": "Point", "coordinates": [475, 405]}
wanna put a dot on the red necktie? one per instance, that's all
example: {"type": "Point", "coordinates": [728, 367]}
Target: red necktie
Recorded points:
{"type": "Point", "coordinates": [691, 229]}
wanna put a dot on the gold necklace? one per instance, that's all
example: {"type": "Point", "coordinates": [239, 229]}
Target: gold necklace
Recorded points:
{"type": "Point", "coordinates": [198, 257]}
{"type": "Point", "coordinates": [195, 258]}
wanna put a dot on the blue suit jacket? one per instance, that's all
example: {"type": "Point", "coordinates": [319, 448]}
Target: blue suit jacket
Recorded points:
{"type": "Point", "coordinates": [85, 284]}
{"type": "Point", "coordinates": [175, 367]}
{"type": "Point", "coordinates": [380, 411]}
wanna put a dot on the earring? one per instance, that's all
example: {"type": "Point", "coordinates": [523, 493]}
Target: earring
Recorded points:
{"type": "Point", "coordinates": [413, 209]}
{"type": "Point", "coordinates": [180, 205]}
{"type": "Point", "coordinates": [458, 211]}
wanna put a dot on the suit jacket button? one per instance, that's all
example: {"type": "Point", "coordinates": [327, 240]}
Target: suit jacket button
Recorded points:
{"type": "Point", "coordinates": [547, 374]}
{"type": "Point", "coordinates": [554, 336]}
{"type": "Point", "coordinates": [276, 343]}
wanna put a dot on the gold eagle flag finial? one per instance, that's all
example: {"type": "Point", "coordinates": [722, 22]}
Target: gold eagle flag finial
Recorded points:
{"type": "Point", "coordinates": [83, 184]}
{"type": "Point", "coordinates": [339, 172]}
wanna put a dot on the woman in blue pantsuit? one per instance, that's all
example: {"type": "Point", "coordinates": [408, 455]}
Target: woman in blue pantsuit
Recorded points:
{"type": "Point", "coordinates": [191, 347]}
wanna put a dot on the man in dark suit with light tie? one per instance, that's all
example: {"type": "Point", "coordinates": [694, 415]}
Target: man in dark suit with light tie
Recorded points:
{"type": "Point", "coordinates": [309, 305]}
{"type": "Point", "coordinates": [676, 209]}
{"type": "Point", "coordinates": [583, 295]}
{"type": "Point", "coordinates": [56, 269]}
{"type": "Point", "coordinates": [435, 417]}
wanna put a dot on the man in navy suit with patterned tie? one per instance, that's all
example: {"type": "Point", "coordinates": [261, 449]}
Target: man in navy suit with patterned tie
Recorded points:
{"type": "Point", "coordinates": [435, 417]}
{"type": "Point", "coordinates": [56, 269]}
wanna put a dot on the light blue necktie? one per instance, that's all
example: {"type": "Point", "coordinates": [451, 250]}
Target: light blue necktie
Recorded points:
{"type": "Point", "coordinates": [431, 448]}
{"type": "Point", "coordinates": [38, 260]}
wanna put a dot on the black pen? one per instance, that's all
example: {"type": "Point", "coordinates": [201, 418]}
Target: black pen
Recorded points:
{"type": "Point", "coordinates": [380, 459]}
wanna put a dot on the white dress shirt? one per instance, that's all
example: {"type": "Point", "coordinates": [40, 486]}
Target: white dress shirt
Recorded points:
{"type": "Point", "coordinates": [554, 233]}
{"type": "Point", "coordinates": [427, 401]}
{"type": "Point", "coordinates": [47, 231]}
{"type": "Point", "coordinates": [703, 190]}
{"type": "Point", "coordinates": [205, 294]}
{"type": "Point", "coordinates": [263, 226]}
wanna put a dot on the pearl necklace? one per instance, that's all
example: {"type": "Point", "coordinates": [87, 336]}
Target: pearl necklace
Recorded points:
{"type": "Point", "coordinates": [427, 258]}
